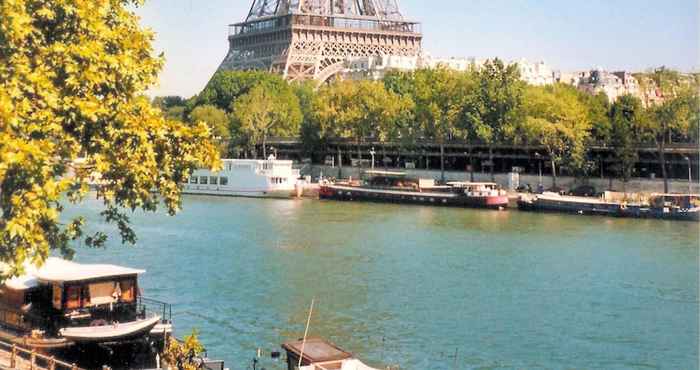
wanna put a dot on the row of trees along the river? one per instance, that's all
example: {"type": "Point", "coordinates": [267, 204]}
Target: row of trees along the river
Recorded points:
{"type": "Point", "coordinates": [487, 106]}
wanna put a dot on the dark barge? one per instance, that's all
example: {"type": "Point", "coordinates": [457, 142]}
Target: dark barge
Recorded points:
{"type": "Point", "coordinates": [396, 187]}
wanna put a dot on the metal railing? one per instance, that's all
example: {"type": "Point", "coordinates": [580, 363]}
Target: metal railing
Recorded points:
{"type": "Point", "coordinates": [153, 306]}
{"type": "Point", "coordinates": [35, 360]}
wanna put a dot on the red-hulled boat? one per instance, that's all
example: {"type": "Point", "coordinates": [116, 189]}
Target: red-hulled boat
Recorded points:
{"type": "Point", "coordinates": [397, 187]}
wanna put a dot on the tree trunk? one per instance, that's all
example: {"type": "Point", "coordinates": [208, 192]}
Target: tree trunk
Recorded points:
{"type": "Point", "coordinates": [442, 162]}
{"type": "Point", "coordinates": [359, 153]}
{"type": "Point", "coordinates": [661, 145]}
{"type": "Point", "coordinates": [264, 142]}
{"type": "Point", "coordinates": [554, 174]}
{"type": "Point", "coordinates": [384, 155]}
{"type": "Point", "coordinates": [493, 178]}
{"type": "Point", "coordinates": [340, 163]}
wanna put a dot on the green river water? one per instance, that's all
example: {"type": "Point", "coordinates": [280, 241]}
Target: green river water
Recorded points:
{"type": "Point", "coordinates": [419, 287]}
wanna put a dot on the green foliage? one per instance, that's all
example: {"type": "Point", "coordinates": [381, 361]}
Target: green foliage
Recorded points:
{"type": "Point", "coordinates": [72, 75]}
{"type": "Point", "coordinates": [359, 110]}
{"type": "Point", "coordinates": [265, 111]}
{"type": "Point", "coordinates": [626, 116]}
{"type": "Point", "coordinates": [557, 120]}
{"type": "Point", "coordinates": [496, 110]}
{"type": "Point", "coordinates": [225, 87]}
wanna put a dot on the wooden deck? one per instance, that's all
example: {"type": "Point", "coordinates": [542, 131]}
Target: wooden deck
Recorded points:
{"type": "Point", "coordinates": [15, 357]}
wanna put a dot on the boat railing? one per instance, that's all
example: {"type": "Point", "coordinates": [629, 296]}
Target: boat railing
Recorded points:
{"type": "Point", "coordinates": [20, 320]}
{"type": "Point", "coordinates": [153, 306]}
{"type": "Point", "coordinates": [18, 355]}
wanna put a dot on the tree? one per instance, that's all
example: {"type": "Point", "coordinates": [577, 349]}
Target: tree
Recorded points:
{"type": "Point", "coordinates": [626, 116]}
{"type": "Point", "coordinates": [265, 112]}
{"type": "Point", "coordinates": [497, 108]}
{"type": "Point", "coordinates": [225, 87]}
{"type": "Point", "coordinates": [310, 132]}
{"type": "Point", "coordinates": [218, 121]}
{"type": "Point", "coordinates": [184, 355]}
{"type": "Point", "coordinates": [358, 110]}
{"type": "Point", "coordinates": [556, 118]}
{"type": "Point", "coordinates": [673, 114]}
{"type": "Point", "coordinates": [72, 75]}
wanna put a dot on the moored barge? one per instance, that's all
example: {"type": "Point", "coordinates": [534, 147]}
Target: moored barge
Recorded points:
{"type": "Point", "coordinates": [681, 207]}
{"type": "Point", "coordinates": [397, 187]}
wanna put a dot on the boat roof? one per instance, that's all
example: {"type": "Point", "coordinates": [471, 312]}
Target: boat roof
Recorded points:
{"type": "Point", "coordinates": [58, 270]}
{"type": "Point", "coordinates": [317, 350]}
{"type": "Point", "coordinates": [467, 183]}
{"type": "Point", "coordinates": [674, 195]}
{"type": "Point", "coordinates": [384, 173]}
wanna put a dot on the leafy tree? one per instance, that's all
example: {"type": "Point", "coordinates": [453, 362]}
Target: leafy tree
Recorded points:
{"type": "Point", "coordinates": [358, 110]}
{"type": "Point", "coordinates": [497, 108]}
{"type": "Point", "coordinates": [165, 102]}
{"type": "Point", "coordinates": [598, 106]}
{"type": "Point", "coordinates": [72, 74]}
{"type": "Point", "coordinates": [184, 355]}
{"type": "Point", "coordinates": [438, 98]}
{"type": "Point", "coordinates": [626, 116]}
{"type": "Point", "coordinates": [225, 87]}
{"type": "Point", "coordinates": [557, 120]}
{"type": "Point", "coordinates": [265, 112]}
{"type": "Point", "coordinates": [673, 114]}
{"type": "Point", "coordinates": [218, 121]}
{"type": "Point", "coordinates": [310, 132]}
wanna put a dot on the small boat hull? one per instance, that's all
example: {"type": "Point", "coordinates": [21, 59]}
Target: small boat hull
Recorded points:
{"type": "Point", "coordinates": [355, 193]}
{"type": "Point", "coordinates": [110, 333]}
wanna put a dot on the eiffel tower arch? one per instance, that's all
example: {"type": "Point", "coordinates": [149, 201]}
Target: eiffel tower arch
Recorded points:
{"type": "Point", "coordinates": [312, 39]}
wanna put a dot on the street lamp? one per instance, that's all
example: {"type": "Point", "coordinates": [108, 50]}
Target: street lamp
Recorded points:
{"type": "Point", "coordinates": [372, 153]}
{"type": "Point", "coordinates": [690, 175]}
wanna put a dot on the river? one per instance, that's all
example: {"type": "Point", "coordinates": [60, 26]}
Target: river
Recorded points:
{"type": "Point", "coordinates": [420, 287]}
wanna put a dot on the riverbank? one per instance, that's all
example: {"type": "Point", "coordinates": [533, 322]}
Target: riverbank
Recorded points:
{"type": "Point", "coordinates": [508, 180]}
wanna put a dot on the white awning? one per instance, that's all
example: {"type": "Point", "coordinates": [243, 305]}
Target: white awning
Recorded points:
{"type": "Point", "coordinates": [57, 270]}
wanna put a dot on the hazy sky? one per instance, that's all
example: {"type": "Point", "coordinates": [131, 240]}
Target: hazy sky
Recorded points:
{"type": "Point", "coordinates": [568, 35]}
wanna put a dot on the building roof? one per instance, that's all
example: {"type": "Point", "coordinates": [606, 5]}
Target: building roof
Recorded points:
{"type": "Point", "coordinates": [317, 350]}
{"type": "Point", "coordinates": [58, 270]}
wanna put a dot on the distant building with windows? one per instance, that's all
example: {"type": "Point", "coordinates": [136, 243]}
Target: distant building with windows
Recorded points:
{"type": "Point", "coordinates": [536, 74]}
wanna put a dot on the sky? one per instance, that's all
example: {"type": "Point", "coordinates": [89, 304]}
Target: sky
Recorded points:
{"type": "Point", "coordinates": [568, 35]}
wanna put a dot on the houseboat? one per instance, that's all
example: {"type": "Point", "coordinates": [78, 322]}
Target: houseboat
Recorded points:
{"type": "Point", "coordinates": [682, 207]}
{"type": "Point", "coordinates": [320, 354]}
{"type": "Point", "coordinates": [397, 187]}
{"type": "Point", "coordinates": [63, 304]}
{"type": "Point", "coordinates": [554, 202]}
{"type": "Point", "coordinates": [247, 178]}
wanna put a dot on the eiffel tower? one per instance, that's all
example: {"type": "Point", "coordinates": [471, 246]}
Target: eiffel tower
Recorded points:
{"type": "Point", "coordinates": [312, 39]}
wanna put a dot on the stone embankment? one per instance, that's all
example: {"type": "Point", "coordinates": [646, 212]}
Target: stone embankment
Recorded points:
{"type": "Point", "coordinates": [511, 181]}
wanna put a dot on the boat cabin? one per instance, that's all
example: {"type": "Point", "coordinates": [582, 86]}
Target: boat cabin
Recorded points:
{"type": "Point", "coordinates": [320, 354]}
{"type": "Point", "coordinates": [399, 181]}
{"type": "Point", "coordinates": [682, 201]}
{"type": "Point", "coordinates": [62, 294]}
{"type": "Point", "coordinates": [478, 188]}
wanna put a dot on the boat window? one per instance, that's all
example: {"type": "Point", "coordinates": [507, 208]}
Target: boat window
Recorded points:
{"type": "Point", "coordinates": [103, 293]}
{"type": "Point", "coordinates": [193, 180]}
{"type": "Point", "coordinates": [213, 180]}
{"type": "Point", "coordinates": [203, 180]}
{"type": "Point", "coordinates": [128, 291]}
{"type": "Point", "coordinates": [223, 181]}
{"type": "Point", "coordinates": [73, 296]}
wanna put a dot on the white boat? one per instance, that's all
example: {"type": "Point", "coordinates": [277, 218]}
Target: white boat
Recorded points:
{"type": "Point", "coordinates": [114, 332]}
{"type": "Point", "coordinates": [246, 178]}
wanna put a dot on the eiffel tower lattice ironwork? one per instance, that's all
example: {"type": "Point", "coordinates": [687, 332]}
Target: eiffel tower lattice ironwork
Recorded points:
{"type": "Point", "coordinates": [312, 39]}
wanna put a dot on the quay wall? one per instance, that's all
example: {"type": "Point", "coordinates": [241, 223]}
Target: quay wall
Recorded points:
{"type": "Point", "coordinates": [635, 185]}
